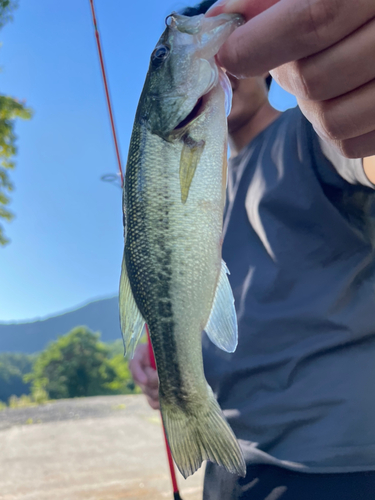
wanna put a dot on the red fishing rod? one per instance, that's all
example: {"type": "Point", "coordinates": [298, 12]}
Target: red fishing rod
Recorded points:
{"type": "Point", "coordinates": [107, 91]}
{"type": "Point", "coordinates": [176, 494]}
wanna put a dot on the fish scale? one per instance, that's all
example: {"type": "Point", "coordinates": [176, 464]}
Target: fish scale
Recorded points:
{"type": "Point", "coordinates": [172, 276]}
{"type": "Point", "coordinates": [169, 242]}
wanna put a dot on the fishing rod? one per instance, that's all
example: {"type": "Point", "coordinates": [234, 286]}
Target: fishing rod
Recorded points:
{"type": "Point", "coordinates": [176, 494]}
{"type": "Point", "coordinates": [110, 178]}
{"type": "Point", "coordinates": [114, 134]}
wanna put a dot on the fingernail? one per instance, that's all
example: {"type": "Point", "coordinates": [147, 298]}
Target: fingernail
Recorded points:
{"type": "Point", "coordinates": [222, 3]}
{"type": "Point", "coordinates": [219, 3]}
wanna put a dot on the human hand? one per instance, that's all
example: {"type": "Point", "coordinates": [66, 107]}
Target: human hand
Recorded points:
{"type": "Point", "coordinates": [322, 51]}
{"type": "Point", "coordinates": [145, 376]}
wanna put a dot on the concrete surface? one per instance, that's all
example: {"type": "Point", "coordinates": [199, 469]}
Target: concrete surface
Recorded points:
{"type": "Point", "coordinates": [101, 448]}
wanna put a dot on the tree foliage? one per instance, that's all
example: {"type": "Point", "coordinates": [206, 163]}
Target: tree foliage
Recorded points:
{"type": "Point", "coordinates": [10, 110]}
{"type": "Point", "coordinates": [13, 367]}
{"type": "Point", "coordinates": [77, 365]}
{"type": "Point", "coordinates": [6, 9]}
{"type": "Point", "coordinates": [123, 382]}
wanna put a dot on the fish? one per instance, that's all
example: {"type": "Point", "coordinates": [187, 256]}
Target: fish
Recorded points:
{"type": "Point", "coordinates": [173, 278]}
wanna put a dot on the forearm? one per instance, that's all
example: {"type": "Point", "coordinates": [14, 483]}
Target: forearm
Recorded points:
{"type": "Point", "coordinates": [369, 168]}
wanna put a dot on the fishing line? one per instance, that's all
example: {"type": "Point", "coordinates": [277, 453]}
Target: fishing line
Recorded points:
{"type": "Point", "coordinates": [110, 178]}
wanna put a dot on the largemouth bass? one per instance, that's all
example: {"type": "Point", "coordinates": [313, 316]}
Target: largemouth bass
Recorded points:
{"type": "Point", "coordinates": [172, 276]}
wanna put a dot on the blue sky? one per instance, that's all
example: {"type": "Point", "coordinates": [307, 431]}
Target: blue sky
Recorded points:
{"type": "Point", "coordinates": [66, 240]}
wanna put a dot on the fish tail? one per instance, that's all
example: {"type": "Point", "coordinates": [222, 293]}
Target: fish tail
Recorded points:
{"type": "Point", "coordinates": [202, 435]}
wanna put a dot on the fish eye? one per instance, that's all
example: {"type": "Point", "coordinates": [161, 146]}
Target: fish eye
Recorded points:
{"type": "Point", "coordinates": [160, 54]}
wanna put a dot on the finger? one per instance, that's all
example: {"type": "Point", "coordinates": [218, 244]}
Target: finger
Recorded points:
{"type": "Point", "coordinates": [151, 393]}
{"type": "Point", "coordinates": [152, 377]}
{"type": "Point", "coordinates": [244, 7]}
{"type": "Point", "coordinates": [153, 403]}
{"type": "Point", "coordinates": [141, 354]}
{"type": "Point", "coordinates": [344, 117]}
{"type": "Point", "coordinates": [357, 147]}
{"type": "Point", "coordinates": [334, 71]}
{"type": "Point", "coordinates": [138, 372]}
{"type": "Point", "coordinates": [290, 30]}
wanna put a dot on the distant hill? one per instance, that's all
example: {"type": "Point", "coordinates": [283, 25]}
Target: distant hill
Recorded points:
{"type": "Point", "coordinates": [100, 316]}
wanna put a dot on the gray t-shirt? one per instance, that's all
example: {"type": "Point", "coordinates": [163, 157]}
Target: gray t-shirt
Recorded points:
{"type": "Point", "coordinates": [300, 244]}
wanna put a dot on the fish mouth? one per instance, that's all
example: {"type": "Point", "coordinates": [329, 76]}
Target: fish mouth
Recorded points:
{"type": "Point", "coordinates": [202, 100]}
{"type": "Point", "coordinates": [194, 113]}
{"type": "Point", "coordinates": [219, 77]}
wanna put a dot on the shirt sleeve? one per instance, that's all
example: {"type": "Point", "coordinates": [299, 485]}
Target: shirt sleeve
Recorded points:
{"type": "Point", "coordinates": [349, 169]}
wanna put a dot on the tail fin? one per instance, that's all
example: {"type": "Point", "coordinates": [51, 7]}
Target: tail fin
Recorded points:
{"type": "Point", "coordinates": [202, 435]}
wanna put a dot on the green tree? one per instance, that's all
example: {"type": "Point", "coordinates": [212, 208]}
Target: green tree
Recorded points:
{"type": "Point", "coordinates": [10, 110]}
{"type": "Point", "coordinates": [123, 382]}
{"type": "Point", "coordinates": [75, 365]}
{"type": "Point", "coordinates": [6, 9]}
{"type": "Point", "coordinates": [13, 366]}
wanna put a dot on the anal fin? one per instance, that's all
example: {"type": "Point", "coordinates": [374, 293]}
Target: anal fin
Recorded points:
{"type": "Point", "coordinates": [131, 320]}
{"type": "Point", "coordinates": [222, 327]}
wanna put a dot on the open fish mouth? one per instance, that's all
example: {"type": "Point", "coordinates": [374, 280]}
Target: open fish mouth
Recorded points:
{"type": "Point", "coordinates": [203, 99]}
{"type": "Point", "coordinates": [194, 113]}
{"type": "Point", "coordinates": [200, 105]}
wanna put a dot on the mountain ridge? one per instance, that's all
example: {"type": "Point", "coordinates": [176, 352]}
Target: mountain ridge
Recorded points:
{"type": "Point", "coordinates": [59, 313]}
{"type": "Point", "coordinates": [28, 337]}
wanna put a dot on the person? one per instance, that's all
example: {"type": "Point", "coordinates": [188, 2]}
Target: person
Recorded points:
{"type": "Point", "coordinates": [299, 241]}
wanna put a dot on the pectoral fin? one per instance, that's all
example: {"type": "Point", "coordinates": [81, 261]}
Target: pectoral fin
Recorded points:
{"type": "Point", "coordinates": [221, 327]}
{"type": "Point", "coordinates": [190, 156]}
{"type": "Point", "coordinates": [131, 320]}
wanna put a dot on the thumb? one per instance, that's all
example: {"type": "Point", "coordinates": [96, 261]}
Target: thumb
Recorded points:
{"type": "Point", "coordinates": [248, 8]}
